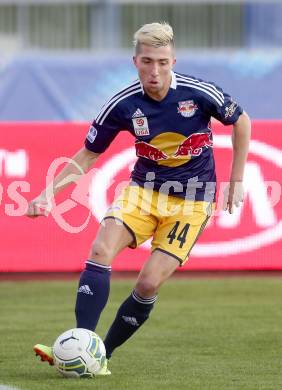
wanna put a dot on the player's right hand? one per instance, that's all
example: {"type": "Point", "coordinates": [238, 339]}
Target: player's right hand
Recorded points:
{"type": "Point", "coordinates": [38, 207]}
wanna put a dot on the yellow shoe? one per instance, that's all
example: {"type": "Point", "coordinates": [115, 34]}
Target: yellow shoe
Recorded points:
{"type": "Point", "coordinates": [104, 370]}
{"type": "Point", "coordinates": [45, 353]}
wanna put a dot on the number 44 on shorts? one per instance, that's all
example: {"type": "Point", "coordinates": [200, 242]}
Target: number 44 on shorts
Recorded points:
{"type": "Point", "coordinates": [181, 236]}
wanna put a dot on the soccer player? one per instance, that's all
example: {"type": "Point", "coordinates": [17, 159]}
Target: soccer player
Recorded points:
{"type": "Point", "coordinates": [172, 187]}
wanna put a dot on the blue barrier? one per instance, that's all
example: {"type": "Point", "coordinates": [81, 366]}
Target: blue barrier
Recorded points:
{"type": "Point", "coordinates": [72, 88]}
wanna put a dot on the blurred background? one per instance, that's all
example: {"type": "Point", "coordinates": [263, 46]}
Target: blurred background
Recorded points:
{"type": "Point", "coordinates": [68, 56]}
{"type": "Point", "coordinates": [60, 60]}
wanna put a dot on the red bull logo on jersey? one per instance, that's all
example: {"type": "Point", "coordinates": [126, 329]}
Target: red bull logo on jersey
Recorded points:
{"type": "Point", "coordinates": [187, 108]}
{"type": "Point", "coordinates": [143, 149]}
{"type": "Point", "coordinates": [173, 149]}
{"type": "Point", "coordinates": [194, 144]}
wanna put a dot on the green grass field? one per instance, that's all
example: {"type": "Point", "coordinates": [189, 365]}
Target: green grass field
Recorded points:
{"type": "Point", "coordinates": [208, 334]}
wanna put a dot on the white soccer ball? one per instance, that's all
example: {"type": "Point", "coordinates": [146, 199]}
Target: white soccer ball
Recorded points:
{"type": "Point", "coordinates": [79, 352]}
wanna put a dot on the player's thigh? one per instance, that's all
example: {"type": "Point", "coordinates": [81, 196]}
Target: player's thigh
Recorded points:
{"type": "Point", "coordinates": [133, 209]}
{"type": "Point", "coordinates": [111, 238]}
{"type": "Point", "coordinates": [157, 269]}
{"type": "Point", "coordinates": [177, 234]}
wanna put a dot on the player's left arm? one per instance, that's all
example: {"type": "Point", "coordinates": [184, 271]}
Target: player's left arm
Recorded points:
{"type": "Point", "coordinates": [234, 193]}
{"type": "Point", "coordinates": [220, 105]}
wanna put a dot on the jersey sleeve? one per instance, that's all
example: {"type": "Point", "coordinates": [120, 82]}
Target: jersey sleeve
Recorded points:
{"type": "Point", "coordinates": [103, 131]}
{"type": "Point", "coordinates": [222, 107]}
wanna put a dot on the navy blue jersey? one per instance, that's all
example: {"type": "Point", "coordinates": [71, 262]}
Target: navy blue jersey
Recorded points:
{"type": "Point", "coordinates": [173, 136]}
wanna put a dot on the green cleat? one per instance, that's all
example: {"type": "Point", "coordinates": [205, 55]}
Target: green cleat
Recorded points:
{"type": "Point", "coordinates": [45, 353]}
{"type": "Point", "coordinates": [104, 370]}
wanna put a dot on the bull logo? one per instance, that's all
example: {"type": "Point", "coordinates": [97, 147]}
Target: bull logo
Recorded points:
{"type": "Point", "coordinates": [187, 108]}
{"type": "Point", "coordinates": [143, 149]}
{"type": "Point", "coordinates": [194, 144]}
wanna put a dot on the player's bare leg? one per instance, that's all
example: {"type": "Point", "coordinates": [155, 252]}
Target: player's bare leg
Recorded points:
{"type": "Point", "coordinates": [157, 269]}
{"type": "Point", "coordinates": [135, 310]}
{"type": "Point", "coordinates": [112, 237]}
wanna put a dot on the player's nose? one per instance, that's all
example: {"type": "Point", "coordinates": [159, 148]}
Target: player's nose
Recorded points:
{"type": "Point", "coordinates": [155, 70]}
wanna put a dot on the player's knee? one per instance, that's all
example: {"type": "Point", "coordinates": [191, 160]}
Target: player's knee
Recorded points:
{"type": "Point", "coordinates": [100, 251]}
{"type": "Point", "coordinates": [147, 287]}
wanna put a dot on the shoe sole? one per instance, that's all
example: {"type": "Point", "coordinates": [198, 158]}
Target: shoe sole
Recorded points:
{"type": "Point", "coordinates": [44, 357]}
{"type": "Point", "coordinates": [106, 374]}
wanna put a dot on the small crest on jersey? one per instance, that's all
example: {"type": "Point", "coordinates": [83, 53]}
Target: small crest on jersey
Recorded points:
{"type": "Point", "coordinates": [187, 108]}
{"type": "Point", "coordinates": [229, 110]}
{"type": "Point", "coordinates": [92, 134]}
{"type": "Point", "coordinates": [141, 126]}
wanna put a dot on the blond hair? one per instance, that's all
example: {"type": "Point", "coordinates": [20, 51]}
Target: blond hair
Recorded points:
{"type": "Point", "coordinates": [154, 34]}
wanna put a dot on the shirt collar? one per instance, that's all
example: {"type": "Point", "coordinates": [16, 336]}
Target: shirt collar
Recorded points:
{"type": "Point", "coordinates": [173, 83]}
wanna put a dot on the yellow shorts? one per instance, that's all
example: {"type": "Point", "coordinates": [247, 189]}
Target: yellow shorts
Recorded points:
{"type": "Point", "coordinates": [174, 223]}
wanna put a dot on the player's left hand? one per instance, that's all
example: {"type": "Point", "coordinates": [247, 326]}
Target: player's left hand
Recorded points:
{"type": "Point", "coordinates": [233, 195]}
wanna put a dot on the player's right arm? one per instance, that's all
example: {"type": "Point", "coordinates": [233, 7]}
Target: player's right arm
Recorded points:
{"type": "Point", "coordinates": [100, 135]}
{"type": "Point", "coordinates": [72, 171]}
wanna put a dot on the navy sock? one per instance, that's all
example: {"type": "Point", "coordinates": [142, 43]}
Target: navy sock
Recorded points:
{"type": "Point", "coordinates": [133, 312]}
{"type": "Point", "coordinates": [92, 294]}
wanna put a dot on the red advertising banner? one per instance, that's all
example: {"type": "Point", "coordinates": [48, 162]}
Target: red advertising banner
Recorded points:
{"type": "Point", "coordinates": [249, 239]}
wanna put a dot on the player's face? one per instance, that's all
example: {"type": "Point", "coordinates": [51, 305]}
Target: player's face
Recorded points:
{"type": "Point", "coordinates": [154, 65]}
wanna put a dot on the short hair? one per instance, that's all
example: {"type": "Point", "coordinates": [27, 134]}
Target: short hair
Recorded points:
{"type": "Point", "coordinates": [154, 34]}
